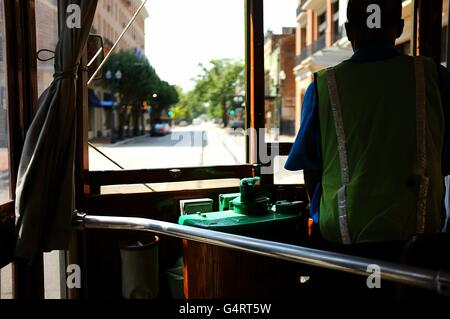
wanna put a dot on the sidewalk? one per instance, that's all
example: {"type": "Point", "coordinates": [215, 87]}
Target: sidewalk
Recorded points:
{"type": "Point", "coordinates": [106, 141]}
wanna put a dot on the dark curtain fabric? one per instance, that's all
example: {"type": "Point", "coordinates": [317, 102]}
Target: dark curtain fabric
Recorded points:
{"type": "Point", "coordinates": [45, 185]}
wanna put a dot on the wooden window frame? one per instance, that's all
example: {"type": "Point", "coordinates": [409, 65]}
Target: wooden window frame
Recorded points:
{"type": "Point", "coordinates": [90, 182]}
{"type": "Point", "coordinates": [20, 37]}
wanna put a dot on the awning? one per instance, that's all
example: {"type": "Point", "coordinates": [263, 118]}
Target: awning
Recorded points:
{"type": "Point", "coordinates": [94, 101]}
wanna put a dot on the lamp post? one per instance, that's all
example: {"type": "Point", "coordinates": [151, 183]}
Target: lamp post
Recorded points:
{"type": "Point", "coordinates": [279, 104]}
{"type": "Point", "coordinates": [281, 78]}
{"type": "Point", "coordinates": [118, 77]}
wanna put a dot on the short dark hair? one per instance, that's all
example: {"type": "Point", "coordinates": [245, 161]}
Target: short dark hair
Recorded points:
{"type": "Point", "coordinates": [391, 11]}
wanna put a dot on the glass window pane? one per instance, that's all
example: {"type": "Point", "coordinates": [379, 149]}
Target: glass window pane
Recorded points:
{"type": "Point", "coordinates": [282, 176]}
{"type": "Point", "coordinates": [6, 286]}
{"type": "Point", "coordinates": [173, 92]}
{"type": "Point", "coordinates": [444, 51]}
{"type": "Point", "coordinates": [4, 136]}
{"type": "Point", "coordinates": [46, 38]}
{"type": "Point", "coordinates": [279, 63]}
{"type": "Point", "coordinates": [166, 187]}
{"type": "Point", "coordinates": [52, 278]}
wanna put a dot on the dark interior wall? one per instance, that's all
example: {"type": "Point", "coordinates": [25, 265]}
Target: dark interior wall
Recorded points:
{"type": "Point", "coordinates": [102, 254]}
{"type": "Point", "coordinates": [102, 246]}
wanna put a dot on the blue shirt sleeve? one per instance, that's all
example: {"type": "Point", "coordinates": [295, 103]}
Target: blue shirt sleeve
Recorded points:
{"type": "Point", "coordinates": [306, 152]}
{"type": "Point", "coordinates": [444, 76]}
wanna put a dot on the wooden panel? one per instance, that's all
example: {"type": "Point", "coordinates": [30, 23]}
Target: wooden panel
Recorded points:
{"type": "Point", "coordinates": [99, 178]}
{"type": "Point", "coordinates": [15, 88]}
{"type": "Point", "coordinates": [243, 275]}
{"type": "Point", "coordinates": [22, 96]}
{"type": "Point", "coordinates": [198, 270]}
{"type": "Point", "coordinates": [101, 250]}
{"type": "Point", "coordinates": [222, 273]}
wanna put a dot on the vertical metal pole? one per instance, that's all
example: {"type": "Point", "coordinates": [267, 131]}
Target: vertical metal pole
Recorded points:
{"type": "Point", "coordinates": [447, 57]}
{"type": "Point", "coordinates": [113, 108]}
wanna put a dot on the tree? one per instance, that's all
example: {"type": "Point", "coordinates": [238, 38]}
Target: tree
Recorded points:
{"type": "Point", "coordinates": [166, 95]}
{"type": "Point", "coordinates": [182, 111]}
{"type": "Point", "coordinates": [138, 81]}
{"type": "Point", "coordinates": [217, 86]}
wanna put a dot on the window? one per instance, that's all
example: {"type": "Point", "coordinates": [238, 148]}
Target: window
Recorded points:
{"type": "Point", "coordinates": [5, 194]}
{"type": "Point", "coordinates": [279, 62]}
{"type": "Point", "coordinates": [6, 286]}
{"type": "Point", "coordinates": [46, 39]}
{"type": "Point", "coordinates": [190, 111]}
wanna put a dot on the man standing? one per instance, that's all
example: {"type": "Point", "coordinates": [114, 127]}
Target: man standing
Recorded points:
{"type": "Point", "coordinates": [374, 137]}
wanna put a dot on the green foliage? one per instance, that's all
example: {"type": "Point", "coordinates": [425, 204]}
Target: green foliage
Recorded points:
{"type": "Point", "coordinates": [217, 111]}
{"type": "Point", "coordinates": [216, 86]}
{"type": "Point", "coordinates": [181, 111]}
{"type": "Point", "coordinates": [166, 96]}
{"type": "Point", "coordinates": [139, 83]}
{"type": "Point", "coordinates": [189, 106]}
{"type": "Point", "coordinates": [139, 79]}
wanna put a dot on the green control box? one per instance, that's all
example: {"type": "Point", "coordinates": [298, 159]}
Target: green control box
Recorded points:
{"type": "Point", "coordinates": [247, 225]}
{"type": "Point", "coordinates": [225, 201]}
{"type": "Point", "coordinates": [193, 206]}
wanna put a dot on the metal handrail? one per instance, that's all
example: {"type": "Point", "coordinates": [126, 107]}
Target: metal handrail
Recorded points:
{"type": "Point", "coordinates": [408, 275]}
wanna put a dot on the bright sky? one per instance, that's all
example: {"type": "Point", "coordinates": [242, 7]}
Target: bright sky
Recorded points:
{"type": "Point", "coordinates": [180, 34]}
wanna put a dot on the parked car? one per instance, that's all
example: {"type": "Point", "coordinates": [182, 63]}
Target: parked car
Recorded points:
{"type": "Point", "coordinates": [237, 124]}
{"type": "Point", "coordinates": [160, 129]}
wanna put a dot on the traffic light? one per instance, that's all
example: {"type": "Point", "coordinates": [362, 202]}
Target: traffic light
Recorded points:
{"type": "Point", "coordinates": [232, 112]}
{"type": "Point", "coordinates": [170, 113]}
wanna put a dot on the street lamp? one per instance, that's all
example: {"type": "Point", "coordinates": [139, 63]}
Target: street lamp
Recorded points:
{"type": "Point", "coordinates": [118, 77]}
{"type": "Point", "coordinates": [279, 106]}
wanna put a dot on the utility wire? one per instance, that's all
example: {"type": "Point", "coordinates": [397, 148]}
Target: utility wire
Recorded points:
{"type": "Point", "coordinates": [115, 163]}
{"type": "Point", "coordinates": [117, 42]}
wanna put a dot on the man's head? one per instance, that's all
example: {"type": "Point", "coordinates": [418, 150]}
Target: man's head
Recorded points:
{"type": "Point", "coordinates": [374, 22]}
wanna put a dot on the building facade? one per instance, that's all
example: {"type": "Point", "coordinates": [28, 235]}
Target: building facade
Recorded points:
{"type": "Point", "coordinates": [111, 18]}
{"type": "Point", "coordinates": [279, 60]}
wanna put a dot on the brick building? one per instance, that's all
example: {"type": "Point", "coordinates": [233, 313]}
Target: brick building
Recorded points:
{"type": "Point", "coordinates": [110, 19]}
{"type": "Point", "coordinates": [279, 60]}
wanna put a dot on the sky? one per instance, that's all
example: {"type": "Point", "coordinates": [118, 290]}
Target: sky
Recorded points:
{"type": "Point", "coordinates": [180, 34]}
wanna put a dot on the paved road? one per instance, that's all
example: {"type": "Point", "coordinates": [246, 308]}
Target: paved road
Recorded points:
{"type": "Point", "coordinates": [202, 145]}
{"type": "Point", "coordinates": [192, 146]}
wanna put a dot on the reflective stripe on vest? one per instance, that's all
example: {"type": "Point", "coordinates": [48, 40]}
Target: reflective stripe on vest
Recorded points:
{"type": "Point", "coordinates": [421, 120]}
{"type": "Point", "coordinates": [421, 128]}
{"type": "Point", "coordinates": [343, 159]}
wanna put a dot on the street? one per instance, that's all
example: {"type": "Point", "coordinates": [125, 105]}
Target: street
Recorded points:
{"type": "Point", "coordinates": [190, 146]}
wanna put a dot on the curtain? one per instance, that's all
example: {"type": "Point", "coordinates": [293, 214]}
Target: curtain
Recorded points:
{"type": "Point", "coordinates": [45, 184]}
